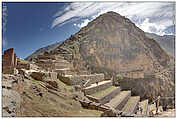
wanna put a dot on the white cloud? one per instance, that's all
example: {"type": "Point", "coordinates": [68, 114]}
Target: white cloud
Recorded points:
{"type": "Point", "coordinates": [147, 26]}
{"type": "Point", "coordinates": [152, 16]}
{"type": "Point", "coordinates": [4, 17]}
{"type": "Point", "coordinates": [85, 22]}
{"type": "Point", "coordinates": [4, 42]}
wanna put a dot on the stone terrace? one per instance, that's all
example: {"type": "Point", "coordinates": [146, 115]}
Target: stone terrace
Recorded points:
{"type": "Point", "coordinates": [104, 96]}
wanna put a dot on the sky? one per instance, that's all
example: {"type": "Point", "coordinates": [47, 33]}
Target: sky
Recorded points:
{"type": "Point", "coordinates": [30, 26]}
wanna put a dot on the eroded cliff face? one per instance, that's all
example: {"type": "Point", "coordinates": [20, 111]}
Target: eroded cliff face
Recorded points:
{"type": "Point", "coordinates": [113, 42]}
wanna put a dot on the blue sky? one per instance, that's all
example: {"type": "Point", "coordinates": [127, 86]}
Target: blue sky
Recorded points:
{"type": "Point", "coordinates": [30, 26]}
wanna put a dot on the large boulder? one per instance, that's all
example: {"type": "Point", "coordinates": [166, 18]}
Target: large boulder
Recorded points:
{"type": "Point", "coordinates": [44, 76]}
{"type": "Point", "coordinates": [38, 76]}
{"type": "Point", "coordinates": [48, 77]}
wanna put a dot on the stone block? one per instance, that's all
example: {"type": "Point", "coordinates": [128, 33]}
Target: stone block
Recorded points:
{"type": "Point", "coordinates": [71, 81]}
{"type": "Point", "coordinates": [44, 76]}
{"type": "Point", "coordinates": [95, 88]}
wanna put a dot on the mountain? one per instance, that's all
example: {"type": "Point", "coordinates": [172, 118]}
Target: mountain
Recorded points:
{"type": "Point", "coordinates": [167, 42]}
{"type": "Point", "coordinates": [112, 42]}
{"type": "Point", "coordinates": [42, 50]}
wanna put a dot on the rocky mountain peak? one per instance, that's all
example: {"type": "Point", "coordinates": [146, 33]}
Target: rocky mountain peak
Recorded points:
{"type": "Point", "coordinates": [113, 42]}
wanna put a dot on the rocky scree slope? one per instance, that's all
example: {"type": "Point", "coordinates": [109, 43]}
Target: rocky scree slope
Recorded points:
{"type": "Point", "coordinates": [42, 50]}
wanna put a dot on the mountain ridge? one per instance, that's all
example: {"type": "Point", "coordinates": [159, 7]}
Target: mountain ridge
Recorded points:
{"type": "Point", "coordinates": [112, 35]}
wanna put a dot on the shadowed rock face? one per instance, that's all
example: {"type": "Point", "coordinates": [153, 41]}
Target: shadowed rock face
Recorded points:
{"type": "Point", "coordinates": [113, 42]}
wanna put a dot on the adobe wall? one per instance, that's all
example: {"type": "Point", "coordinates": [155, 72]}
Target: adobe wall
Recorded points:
{"type": "Point", "coordinates": [9, 61]}
{"type": "Point", "coordinates": [8, 57]}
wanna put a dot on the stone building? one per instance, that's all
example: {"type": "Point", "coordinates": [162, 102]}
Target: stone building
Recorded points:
{"type": "Point", "coordinates": [9, 61]}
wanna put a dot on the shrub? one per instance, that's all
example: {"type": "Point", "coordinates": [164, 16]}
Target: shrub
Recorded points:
{"type": "Point", "coordinates": [119, 77]}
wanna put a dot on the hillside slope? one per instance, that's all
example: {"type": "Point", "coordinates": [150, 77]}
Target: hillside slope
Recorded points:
{"type": "Point", "coordinates": [42, 50]}
{"type": "Point", "coordinates": [167, 42]}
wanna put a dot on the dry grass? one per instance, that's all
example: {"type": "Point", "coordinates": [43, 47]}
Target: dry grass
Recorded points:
{"type": "Point", "coordinates": [50, 105]}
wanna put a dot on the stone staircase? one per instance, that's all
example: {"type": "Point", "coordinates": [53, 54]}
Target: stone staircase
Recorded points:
{"type": "Point", "coordinates": [103, 94]}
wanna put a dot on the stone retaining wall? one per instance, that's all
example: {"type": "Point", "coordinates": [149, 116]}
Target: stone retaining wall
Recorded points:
{"type": "Point", "coordinates": [79, 79]}
{"type": "Point", "coordinates": [71, 81]}
{"type": "Point", "coordinates": [110, 96]}
{"type": "Point", "coordinates": [97, 88]}
{"type": "Point", "coordinates": [149, 88]}
{"type": "Point", "coordinates": [123, 102]}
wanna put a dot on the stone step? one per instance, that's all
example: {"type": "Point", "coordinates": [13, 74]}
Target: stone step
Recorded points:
{"type": "Point", "coordinates": [58, 57]}
{"type": "Point", "coordinates": [120, 100]}
{"type": "Point", "coordinates": [144, 106]}
{"type": "Point", "coordinates": [47, 57]}
{"type": "Point", "coordinates": [62, 66]}
{"type": "Point", "coordinates": [61, 61]}
{"type": "Point", "coordinates": [104, 96]}
{"type": "Point", "coordinates": [132, 105]}
{"type": "Point", "coordinates": [93, 88]}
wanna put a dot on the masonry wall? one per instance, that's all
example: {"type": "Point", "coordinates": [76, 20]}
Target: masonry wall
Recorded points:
{"type": "Point", "coordinates": [8, 57]}
{"type": "Point", "coordinates": [82, 79]}
{"type": "Point", "coordinates": [133, 74]}
{"type": "Point", "coordinates": [9, 61]}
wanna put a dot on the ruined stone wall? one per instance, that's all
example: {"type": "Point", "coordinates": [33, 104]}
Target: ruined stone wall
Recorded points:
{"type": "Point", "coordinates": [81, 79]}
{"type": "Point", "coordinates": [71, 81]}
{"type": "Point", "coordinates": [149, 87]}
{"type": "Point", "coordinates": [15, 59]}
{"type": "Point", "coordinates": [27, 66]}
{"type": "Point", "coordinates": [8, 57]}
{"type": "Point", "coordinates": [133, 74]}
{"type": "Point", "coordinates": [9, 61]}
